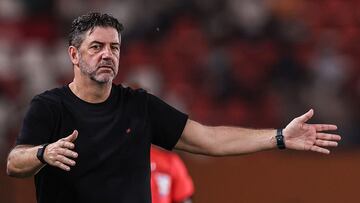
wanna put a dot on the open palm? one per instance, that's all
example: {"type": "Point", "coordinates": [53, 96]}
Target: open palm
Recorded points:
{"type": "Point", "coordinates": [302, 136]}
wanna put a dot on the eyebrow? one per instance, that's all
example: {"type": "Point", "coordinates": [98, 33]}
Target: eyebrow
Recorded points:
{"type": "Point", "coordinates": [98, 42]}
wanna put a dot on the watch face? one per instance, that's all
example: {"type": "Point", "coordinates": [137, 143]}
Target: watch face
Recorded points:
{"type": "Point", "coordinates": [40, 154]}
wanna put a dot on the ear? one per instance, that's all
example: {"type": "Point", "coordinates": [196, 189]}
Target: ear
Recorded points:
{"type": "Point", "coordinates": [73, 54]}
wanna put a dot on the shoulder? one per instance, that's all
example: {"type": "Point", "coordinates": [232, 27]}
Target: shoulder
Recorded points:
{"type": "Point", "coordinates": [129, 94]}
{"type": "Point", "coordinates": [129, 91]}
{"type": "Point", "coordinates": [52, 97]}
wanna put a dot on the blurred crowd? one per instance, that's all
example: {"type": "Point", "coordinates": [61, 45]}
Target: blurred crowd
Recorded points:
{"type": "Point", "coordinates": [255, 63]}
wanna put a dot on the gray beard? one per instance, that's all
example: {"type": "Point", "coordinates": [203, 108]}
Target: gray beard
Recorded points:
{"type": "Point", "coordinates": [84, 68]}
{"type": "Point", "coordinates": [93, 78]}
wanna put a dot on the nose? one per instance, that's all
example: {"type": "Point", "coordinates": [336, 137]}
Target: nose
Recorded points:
{"type": "Point", "coordinates": [107, 53]}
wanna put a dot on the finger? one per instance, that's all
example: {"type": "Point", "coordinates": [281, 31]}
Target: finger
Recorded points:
{"type": "Point", "coordinates": [62, 166]}
{"type": "Point", "coordinates": [65, 160]}
{"type": "Point", "coordinates": [68, 153]}
{"type": "Point", "coordinates": [305, 117]}
{"type": "Point", "coordinates": [324, 127]}
{"type": "Point", "coordinates": [72, 137]}
{"type": "Point", "coordinates": [327, 136]}
{"type": "Point", "coordinates": [325, 143]}
{"type": "Point", "coordinates": [320, 150]}
{"type": "Point", "coordinates": [65, 144]}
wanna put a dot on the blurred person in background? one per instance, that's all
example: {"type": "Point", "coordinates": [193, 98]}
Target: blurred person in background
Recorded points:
{"type": "Point", "coordinates": [170, 181]}
{"type": "Point", "coordinates": [89, 141]}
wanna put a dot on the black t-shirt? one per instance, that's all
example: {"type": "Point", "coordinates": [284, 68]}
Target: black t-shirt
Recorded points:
{"type": "Point", "coordinates": [113, 143]}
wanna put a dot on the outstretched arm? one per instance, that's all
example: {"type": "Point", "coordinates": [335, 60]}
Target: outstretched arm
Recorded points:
{"type": "Point", "coordinates": [222, 141]}
{"type": "Point", "coordinates": [22, 161]}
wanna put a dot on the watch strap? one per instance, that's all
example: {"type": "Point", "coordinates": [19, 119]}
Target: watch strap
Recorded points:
{"type": "Point", "coordinates": [40, 153]}
{"type": "Point", "coordinates": [280, 139]}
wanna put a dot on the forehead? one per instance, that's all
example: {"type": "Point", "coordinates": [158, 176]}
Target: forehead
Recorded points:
{"type": "Point", "coordinates": [102, 34]}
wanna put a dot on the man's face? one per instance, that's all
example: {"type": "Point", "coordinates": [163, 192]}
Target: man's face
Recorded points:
{"type": "Point", "coordinates": [99, 54]}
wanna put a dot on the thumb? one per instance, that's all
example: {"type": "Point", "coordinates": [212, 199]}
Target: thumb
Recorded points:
{"type": "Point", "coordinates": [72, 137]}
{"type": "Point", "coordinates": [305, 117]}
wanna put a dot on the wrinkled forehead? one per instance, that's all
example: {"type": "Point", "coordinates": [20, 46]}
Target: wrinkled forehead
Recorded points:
{"type": "Point", "coordinates": [102, 34]}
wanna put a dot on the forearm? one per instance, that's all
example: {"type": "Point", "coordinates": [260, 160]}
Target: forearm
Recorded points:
{"type": "Point", "coordinates": [22, 162]}
{"type": "Point", "coordinates": [221, 140]}
{"type": "Point", "coordinates": [236, 140]}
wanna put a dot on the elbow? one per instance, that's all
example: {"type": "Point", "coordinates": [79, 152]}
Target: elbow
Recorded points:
{"type": "Point", "coordinates": [217, 148]}
{"type": "Point", "coordinates": [211, 148]}
{"type": "Point", "coordinates": [13, 171]}
{"type": "Point", "coordinates": [10, 171]}
{"type": "Point", "coordinates": [201, 139]}
{"type": "Point", "coordinates": [215, 152]}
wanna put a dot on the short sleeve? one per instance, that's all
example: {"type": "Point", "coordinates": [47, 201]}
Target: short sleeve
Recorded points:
{"type": "Point", "coordinates": [166, 123]}
{"type": "Point", "coordinates": [37, 125]}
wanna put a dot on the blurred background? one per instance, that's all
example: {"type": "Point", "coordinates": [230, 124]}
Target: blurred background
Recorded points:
{"type": "Point", "coordinates": [254, 63]}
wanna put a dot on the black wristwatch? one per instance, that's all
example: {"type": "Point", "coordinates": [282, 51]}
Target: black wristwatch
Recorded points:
{"type": "Point", "coordinates": [40, 153]}
{"type": "Point", "coordinates": [280, 139]}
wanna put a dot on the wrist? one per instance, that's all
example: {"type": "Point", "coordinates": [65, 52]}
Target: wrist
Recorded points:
{"type": "Point", "coordinates": [41, 152]}
{"type": "Point", "coordinates": [280, 139]}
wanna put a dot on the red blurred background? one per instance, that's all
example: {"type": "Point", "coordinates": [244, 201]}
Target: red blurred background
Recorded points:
{"type": "Point", "coordinates": [254, 63]}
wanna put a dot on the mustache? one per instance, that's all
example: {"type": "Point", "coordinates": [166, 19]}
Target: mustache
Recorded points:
{"type": "Point", "coordinates": [106, 63]}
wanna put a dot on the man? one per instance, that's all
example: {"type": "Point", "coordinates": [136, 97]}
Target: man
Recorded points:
{"type": "Point", "coordinates": [89, 141]}
{"type": "Point", "coordinates": [170, 181]}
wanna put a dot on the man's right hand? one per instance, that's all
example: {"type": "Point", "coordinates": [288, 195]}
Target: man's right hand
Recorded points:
{"type": "Point", "coordinates": [60, 153]}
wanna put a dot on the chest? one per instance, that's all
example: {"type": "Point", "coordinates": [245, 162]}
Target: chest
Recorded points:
{"type": "Point", "coordinates": [107, 136]}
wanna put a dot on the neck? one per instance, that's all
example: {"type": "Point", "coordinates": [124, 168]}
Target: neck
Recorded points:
{"type": "Point", "coordinates": [90, 91]}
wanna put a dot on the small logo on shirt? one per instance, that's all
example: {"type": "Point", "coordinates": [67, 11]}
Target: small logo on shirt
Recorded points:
{"type": "Point", "coordinates": [128, 131]}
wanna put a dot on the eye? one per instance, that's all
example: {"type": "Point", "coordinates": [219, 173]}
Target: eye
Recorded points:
{"type": "Point", "coordinates": [115, 48]}
{"type": "Point", "coordinates": [95, 47]}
